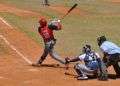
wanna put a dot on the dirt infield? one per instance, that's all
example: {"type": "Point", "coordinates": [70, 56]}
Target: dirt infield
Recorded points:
{"type": "Point", "coordinates": [117, 1]}
{"type": "Point", "coordinates": [15, 71]}
{"type": "Point", "coordinates": [14, 10]}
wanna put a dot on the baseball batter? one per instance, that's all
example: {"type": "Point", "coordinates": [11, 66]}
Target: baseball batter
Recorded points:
{"type": "Point", "coordinates": [46, 31]}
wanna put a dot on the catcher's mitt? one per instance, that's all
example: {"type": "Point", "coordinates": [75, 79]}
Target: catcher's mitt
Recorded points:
{"type": "Point", "coordinates": [102, 76]}
{"type": "Point", "coordinates": [102, 72]}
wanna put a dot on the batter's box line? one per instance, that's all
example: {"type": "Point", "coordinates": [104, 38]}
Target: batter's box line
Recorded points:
{"type": "Point", "coordinates": [5, 22]}
{"type": "Point", "coordinates": [13, 48]}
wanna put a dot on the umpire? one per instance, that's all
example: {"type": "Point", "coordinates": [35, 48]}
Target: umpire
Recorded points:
{"type": "Point", "coordinates": [111, 54]}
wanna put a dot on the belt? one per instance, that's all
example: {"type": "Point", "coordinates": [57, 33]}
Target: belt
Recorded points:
{"type": "Point", "coordinates": [48, 40]}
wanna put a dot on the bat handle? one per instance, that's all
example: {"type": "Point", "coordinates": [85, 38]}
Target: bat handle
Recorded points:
{"type": "Point", "coordinates": [63, 16]}
{"type": "Point", "coordinates": [66, 69]}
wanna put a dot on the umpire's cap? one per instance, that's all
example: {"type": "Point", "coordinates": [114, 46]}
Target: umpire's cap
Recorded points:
{"type": "Point", "coordinates": [101, 39]}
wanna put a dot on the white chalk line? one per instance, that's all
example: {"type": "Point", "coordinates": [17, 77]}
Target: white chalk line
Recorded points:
{"type": "Point", "coordinates": [6, 22]}
{"type": "Point", "coordinates": [12, 47]}
{"type": "Point", "coordinates": [27, 60]}
{"type": "Point", "coordinates": [1, 77]}
{"type": "Point", "coordinates": [7, 42]}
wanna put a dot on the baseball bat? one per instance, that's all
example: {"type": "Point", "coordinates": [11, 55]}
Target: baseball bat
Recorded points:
{"type": "Point", "coordinates": [66, 65]}
{"type": "Point", "coordinates": [73, 7]}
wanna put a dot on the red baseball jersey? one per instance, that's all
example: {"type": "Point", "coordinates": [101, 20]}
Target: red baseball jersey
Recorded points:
{"type": "Point", "coordinates": [46, 33]}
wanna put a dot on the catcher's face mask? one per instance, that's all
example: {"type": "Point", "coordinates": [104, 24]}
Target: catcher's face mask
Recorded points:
{"type": "Point", "coordinates": [86, 49]}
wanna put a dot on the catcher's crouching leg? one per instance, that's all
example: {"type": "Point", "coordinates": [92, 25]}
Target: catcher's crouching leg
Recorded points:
{"type": "Point", "coordinates": [76, 67]}
{"type": "Point", "coordinates": [81, 75]}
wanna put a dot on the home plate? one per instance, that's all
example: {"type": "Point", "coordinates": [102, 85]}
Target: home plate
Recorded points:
{"type": "Point", "coordinates": [33, 70]}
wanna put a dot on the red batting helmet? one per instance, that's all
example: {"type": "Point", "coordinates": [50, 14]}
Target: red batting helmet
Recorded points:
{"type": "Point", "coordinates": [43, 22]}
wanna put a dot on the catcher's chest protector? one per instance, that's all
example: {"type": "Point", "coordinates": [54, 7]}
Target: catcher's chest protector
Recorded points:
{"type": "Point", "coordinates": [91, 61]}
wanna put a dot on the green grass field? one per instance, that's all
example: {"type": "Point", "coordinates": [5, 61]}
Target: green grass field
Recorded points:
{"type": "Point", "coordinates": [102, 18]}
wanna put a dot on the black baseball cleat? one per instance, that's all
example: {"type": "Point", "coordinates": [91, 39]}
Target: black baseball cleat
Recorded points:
{"type": "Point", "coordinates": [36, 64]}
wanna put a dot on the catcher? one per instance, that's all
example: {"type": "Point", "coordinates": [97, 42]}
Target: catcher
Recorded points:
{"type": "Point", "coordinates": [111, 54]}
{"type": "Point", "coordinates": [46, 31]}
{"type": "Point", "coordinates": [93, 65]}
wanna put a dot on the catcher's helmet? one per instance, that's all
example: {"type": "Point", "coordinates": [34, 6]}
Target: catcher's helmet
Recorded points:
{"type": "Point", "coordinates": [43, 22]}
{"type": "Point", "coordinates": [86, 48]}
{"type": "Point", "coordinates": [101, 39]}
